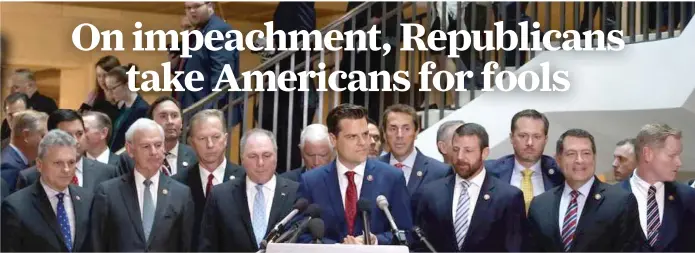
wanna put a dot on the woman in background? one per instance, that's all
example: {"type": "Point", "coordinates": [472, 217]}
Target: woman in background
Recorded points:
{"type": "Point", "coordinates": [131, 106]}
{"type": "Point", "coordinates": [98, 100]}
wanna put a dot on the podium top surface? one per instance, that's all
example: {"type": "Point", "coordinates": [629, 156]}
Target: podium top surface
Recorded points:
{"type": "Point", "coordinates": [334, 248]}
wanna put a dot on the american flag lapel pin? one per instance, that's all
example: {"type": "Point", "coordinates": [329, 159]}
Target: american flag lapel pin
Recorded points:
{"type": "Point", "coordinates": [165, 192]}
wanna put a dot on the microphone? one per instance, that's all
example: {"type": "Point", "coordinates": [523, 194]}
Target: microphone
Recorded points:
{"type": "Point", "coordinates": [364, 207]}
{"type": "Point", "coordinates": [292, 234]}
{"type": "Point", "coordinates": [299, 206]}
{"type": "Point", "coordinates": [418, 232]}
{"type": "Point", "coordinates": [317, 229]}
{"type": "Point", "coordinates": [383, 204]}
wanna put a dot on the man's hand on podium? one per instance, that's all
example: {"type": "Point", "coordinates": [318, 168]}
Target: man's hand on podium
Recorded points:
{"type": "Point", "coordinates": [359, 240]}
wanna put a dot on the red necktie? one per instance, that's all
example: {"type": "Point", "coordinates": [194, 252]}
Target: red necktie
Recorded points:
{"type": "Point", "coordinates": [350, 201]}
{"type": "Point", "coordinates": [399, 165]}
{"type": "Point", "coordinates": [75, 181]}
{"type": "Point", "coordinates": [208, 186]}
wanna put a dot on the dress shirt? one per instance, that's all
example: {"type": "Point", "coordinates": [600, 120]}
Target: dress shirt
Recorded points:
{"type": "Point", "coordinates": [172, 158]}
{"type": "Point", "coordinates": [217, 174]}
{"type": "Point", "coordinates": [474, 186]}
{"type": "Point", "coordinates": [268, 194]}
{"type": "Point", "coordinates": [67, 203]}
{"type": "Point", "coordinates": [640, 189]}
{"type": "Point", "coordinates": [79, 172]}
{"type": "Point", "coordinates": [536, 177]}
{"type": "Point", "coordinates": [140, 186]}
{"type": "Point", "coordinates": [581, 200]}
{"type": "Point", "coordinates": [343, 180]}
{"type": "Point", "coordinates": [408, 164]}
{"type": "Point", "coordinates": [103, 157]}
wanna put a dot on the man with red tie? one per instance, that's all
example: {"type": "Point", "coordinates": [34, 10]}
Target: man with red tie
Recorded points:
{"type": "Point", "coordinates": [337, 186]}
{"type": "Point", "coordinates": [88, 173]}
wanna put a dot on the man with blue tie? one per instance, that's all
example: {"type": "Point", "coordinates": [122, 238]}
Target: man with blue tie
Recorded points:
{"type": "Point", "coordinates": [471, 210]}
{"type": "Point", "coordinates": [584, 214]}
{"type": "Point", "coordinates": [51, 215]}
{"type": "Point", "coordinates": [528, 169]}
{"type": "Point", "coordinates": [337, 186]}
{"type": "Point", "coordinates": [665, 206]}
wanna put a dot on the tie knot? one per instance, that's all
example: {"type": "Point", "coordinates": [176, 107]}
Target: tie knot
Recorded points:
{"type": "Point", "coordinates": [60, 196]}
{"type": "Point", "coordinates": [652, 189]}
{"type": "Point", "coordinates": [350, 174]}
{"type": "Point", "coordinates": [259, 187]}
{"type": "Point", "coordinates": [465, 185]}
{"type": "Point", "coordinates": [211, 177]}
{"type": "Point", "coordinates": [527, 172]}
{"type": "Point", "coordinates": [574, 194]}
{"type": "Point", "coordinates": [399, 165]}
{"type": "Point", "coordinates": [147, 183]}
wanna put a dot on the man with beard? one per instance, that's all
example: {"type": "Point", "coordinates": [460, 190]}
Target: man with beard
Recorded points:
{"type": "Point", "coordinates": [624, 161]}
{"type": "Point", "coordinates": [528, 169]}
{"type": "Point", "coordinates": [484, 213]}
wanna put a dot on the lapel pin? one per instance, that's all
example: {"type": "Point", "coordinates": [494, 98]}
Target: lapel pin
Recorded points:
{"type": "Point", "coordinates": [419, 173]}
{"type": "Point", "coordinates": [165, 192]}
{"type": "Point", "coordinates": [232, 177]}
{"type": "Point", "coordinates": [370, 178]}
{"type": "Point", "coordinates": [184, 164]}
{"type": "Point", "coordinates": [597, 196]}
{"type": "Point", "coordinates": [77, 197]}
{"type": "Point", "coordinates": [486, 196]}
{"type": "Point", "coordinates": [551, 171]}
{"type": "Point", "coordinates": [670, 197]}
{"type": "Point", "coordinates": [282, 193]}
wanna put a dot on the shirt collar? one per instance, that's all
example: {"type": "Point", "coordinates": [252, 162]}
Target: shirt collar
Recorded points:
{"type": "Point", "coordinates": [359, 169]}
{"type": "Point", "coordinates": [139, 178]}
{"type": "Point", "coordinates": [174, 152]}
{"type": "Point", "coordinates": [583, 190]}
{"type": "Point", "coordinates": [408, 161]}
{"type": "Point", "coordinates": [536, 167]}
{"type": "Point", "coordinates": [103, 156]}
{"type": "Point", "coordinates": [218, 173]}
{"type": "Point", "coordinates": [643, 184]}
{"type": "Point", "coordinates": [477, 180]}
{"type": "Point", "coordinates": [270, 185]}
{"type": "Point", "coordinates": [50, 192]}
{"type": "Point", "coordinates": [78, 164]}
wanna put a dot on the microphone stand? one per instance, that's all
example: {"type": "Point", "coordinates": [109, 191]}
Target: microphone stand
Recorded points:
{"type": "Point", "coordinates": [424, 240]}
{"type": "Point", "coordinates": [398, 237]}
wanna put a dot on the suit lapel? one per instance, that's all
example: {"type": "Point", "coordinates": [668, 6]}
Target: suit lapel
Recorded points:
{"type": "Point", "coordinates": [385, 158]}
{"type": "Point", "coordinates": [194, 183]}
{"type": "Point", "coordinates": [230, 172]}
{"type": "Point", "coordinates": [113, 159]}
{"type": "Point", "coordinates": [81, 210]}
{"type": "Point", "coordinates": [333, 189]}
{"type": "Point", "coordinates": [482, 206]}
{"type": "Point", "coordinates": [279, 203]}
{"type": "Point", "coordinates": [445, 209]}
{"type": "Point", "coordinates": [555, 216]}
{"type": "Point", "coordinates": [669, 223]}
{"type": "Point", "coordinates": [591, 205]}
{"type": "Point", "coordinates": [130, 198]}
{"type": "Point", "coordinates": [42, 204]}
{"type": "Point", "coordinates": [418, 172]}
{"type": "Point", "coordinates": [87, 175]}
{"type": "Point", "coordinates": [367, 183]}
{"type": "Point", "coordinates": [549, 174]}
{"type": "Point", "coordinates": [163, 201]}
{"type": "Point", "coordinates": [184, 160]}
{"type": "Point", "coordinates": [508, 169]}
{"type": "Point", "coordinates": [240, 195]}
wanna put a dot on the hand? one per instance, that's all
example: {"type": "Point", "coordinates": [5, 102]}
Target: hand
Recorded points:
{"type": "Point", "coordinates": [351, 240]}
{"type": "Point", "coordinates": [360, 239]}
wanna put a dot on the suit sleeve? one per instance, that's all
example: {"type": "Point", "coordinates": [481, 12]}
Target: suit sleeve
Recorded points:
{"type": "Point", "coordinates": [21, 181]}
{"type": "Point", "coordinates": [99, 223]}
{"type": "Point", "coordinates": [11, 229]}
{"type": "Point", "coordinates": [209, 241]}
{"type": "Point", "coordinates": [629, 225]}
{"type": "Point", "coordinates": [188, 222]}
{"type": "Point", "coordinates": [419, 219]}
{"type": "Point", "coordinates": [305, 192]}
{"type": "Point", "coordinates": [533, 236]}
{"type": "Point", "coordinates": [400, 209]}
{"type": "Point", "coordinates": [516, 222]}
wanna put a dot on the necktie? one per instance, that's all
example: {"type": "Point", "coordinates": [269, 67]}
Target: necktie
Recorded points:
{"type": "Point", "coordinates": [63, 222]}
{"type": "Point", "coordinates": [350, 201]}
{"type": "Point", "coordinates": [147, 209]}
{"type": "Point", "coordinates": [570, 222]}
{"type": "Point", "coordinates": [399, 165]}
{"type": "Point", "coordinates": [527, 187]}
{"type": "Point", "coordinates": [166, 168]}
{"type": "Point", "coordinates": [653, 220]}
{"type": "Point", "coordinates": [260, 224]}
{"type": "Point", "coordinates": [208, 186]}
{"type": "Point", "coordinates": [461, 222]}
{"type": "Point", "coordinates": [75, 181]}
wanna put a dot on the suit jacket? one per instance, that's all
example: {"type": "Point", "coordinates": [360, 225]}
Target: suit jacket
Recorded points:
{"type": "Point", "coordinates": [498, 223]}
{"type": "Point", "coordinates": [226, 225]}
{"type": "Point", "coordinates": [117, 223]}
{"type": "Point", "coordinates": [4, 189]}
{"type": "Point", "coordinates": [185, 159]}
{"type": "Point", "coordinates": [93, 173]}
{"type": "Point", "coordinates": [12, 164]}
{"type": "Point", "coordinates": [294, 174]}
{"type": "Point", "coordinates": [425, 170]}
{"type": "Point", "coordinates": [42, 103]}
{"type": "Point", "coordinates": [320, 186]}
{"type": "Point", "coordinates": [191, 178]}
{"type": "Point", "coordinates": [503, 168]}
{"type": "Point", "coordinates": [138, 110]}
{"type": "Point", "coordinates": [114, 160]}
{"type": "Point", "coordinates": [691, 181]}
{"type": "Point", "coordinates": [29, 222]}
{"type": "Point", "coordinates": [675, 233]}
{"type": "Point", "coordinates": [609, 221]}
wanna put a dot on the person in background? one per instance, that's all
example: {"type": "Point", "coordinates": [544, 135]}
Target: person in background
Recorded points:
{"type": "Point", "coordinates": [375, 146]}
{"type": "Point", "coordinates": [52, 215]}
{"type": "Point", "coordinates": [99, 99]}
{"type": "Point", "coordinates": [97, 126]}
{"type": "Point", "coordinates": [174, 55]}
{"type": "Point", "coordinates": [29, 127]}
{"type": "Point", "coordinates": [24, 81]}
{"type": "Point", "coordinates": [444, 135]}
{"type": "Point", "coordinates": [590, 11]}
{"type": "Point", "coordinates": [624, 160]}
{"type": "Point", "coordinates": [167, 112]}
{"type": "Point", "coordinates": [131, 105]}
{"type": "Point", "coordinates": [14, 103]}
{"type": "Point", "coordinates": [316, 149]}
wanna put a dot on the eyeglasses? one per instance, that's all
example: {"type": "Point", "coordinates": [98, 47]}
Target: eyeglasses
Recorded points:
{"type": "Point", "coordinates": [114, 87]}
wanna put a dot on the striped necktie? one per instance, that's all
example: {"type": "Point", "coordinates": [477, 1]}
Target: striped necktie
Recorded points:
{"type": "Point", "coordinates": [461, 222]}
{"type": "Point", "coordinates": [570, 222]}
{"type": "Point", "coordinates": [653, 220]}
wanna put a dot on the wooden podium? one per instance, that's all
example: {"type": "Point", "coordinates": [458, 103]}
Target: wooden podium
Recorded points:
{"type": "Point", "coordinates": [334, 248]}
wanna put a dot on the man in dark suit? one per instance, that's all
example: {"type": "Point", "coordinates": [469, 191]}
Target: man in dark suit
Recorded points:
{"type": "Point", "coordinates": [51, 215]}
{"type": "Point", "coordinates": [143, 210]}
{"type": "Point", "coordinates": [209, 63]}
{"type": "Point", "coordinates": [29, 128]}
{"type": "Point", "coordinates": [528, 169]}
{"type": "Point", "coordinates": [624, 161]}
{"type": "Point", "coordinates": [97, 126]}
{"type": "Point", "coordinates": [471, 211]}
{"type": "Point", "coordinates": [337, 186]}
{"type": "Point", "coordinates": [240, 212]}
{"type": "Point", "coordinates": [208, 137]}
{"type": "Point", "coordinates": [167, 112]}
{"type": "Point", "coordinates": [88, 173]}
{"type": "Point", "coordinates": [24, 81]}
{"type": "Point", "coordinates": [14, 103]}
{"type": "Point", "coordinates": [665, 206]}
{"type": "Point", "coordinates": [316, 150]}
{"type": "Point", "coordinates": [584, 214]}
{"type": "Point", "coordinates": [400, 125]}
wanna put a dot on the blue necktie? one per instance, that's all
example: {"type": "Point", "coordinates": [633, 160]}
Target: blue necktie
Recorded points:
{"type": "Point", "coordinates": [260, 224]}
{"type": "Point", "coordinates": [147, 210]}
{"type": "Point", "coordinates": [63, 221]}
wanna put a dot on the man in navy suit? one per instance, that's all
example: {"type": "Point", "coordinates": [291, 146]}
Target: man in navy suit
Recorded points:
{"type": "Point", "coordinates": [337, 186]}
{"type": "Point", "coordinates": [316, 149]}
{"type": "Point", "coordinates": [665, 206]}
{"type": "Point", "coordinates": [400, 127]}
{"type": "Point", "coordinates": [29, 128]}
{"type": "Point", "coordinates": [471, 210]}
{"type": "Point", "coordinates": [528, 169]}
{"type": "Point", "coordinates": [584, 214]}
{"type": "Point", "coordinates": [209, 63]}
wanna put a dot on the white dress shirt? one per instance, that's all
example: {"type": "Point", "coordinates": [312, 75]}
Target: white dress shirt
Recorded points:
{"type": "Point", "coordinates": [140, 186]}
{"type": "Point", "coordinates": [172, 158]}
{"type": "Point", "coordinates": [67, 203]}
{"type": "Point", "coordinates": [79, 172]}
{"type": "Point", "coordinates": [408, 164]}
{"type": "Point", "coordinates": [343, 180]}
{"type": "Point", "coordinates": [640, 189]}
{"type": "Point", "coordinates": [103, 157]}
{"type": "Point", "coordinates": [536, 177]}
{"type": "Point", "coordinates": [474, 186]}
{"type": "Point", "coordinates": [581, 200]}
{"type": "Point", "coordinates": [217, 174]}
{"type": "Point", "coordinates": [268, 194]}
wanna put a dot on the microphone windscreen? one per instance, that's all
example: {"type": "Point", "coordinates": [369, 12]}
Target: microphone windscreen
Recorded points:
{"type": "Point", "coordinates": [313, 211]}
{"type": "Point", "coordinates": [301, 204]}
{"type": "Point", "coordinates": [364, 205]}
{"type": "Point", "coordinates": [381, 202]}
{"type": "Point", "coordinates": [316, 228]}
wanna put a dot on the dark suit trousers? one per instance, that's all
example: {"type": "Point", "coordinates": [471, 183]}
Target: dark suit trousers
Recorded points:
{"type": "Point", "coordinates": [507, 12]}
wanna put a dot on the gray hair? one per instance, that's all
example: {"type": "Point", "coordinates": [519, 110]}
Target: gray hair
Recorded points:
{"type": "Point", "coordinates": [56, 138]}
{"type": "Point", "coordinates": [654, 136]}
{"type": "Point", "coordinates": [142, 124]}
{"type": "Point", "coordinates": [26, 74]}
{"type": "Point", "coordinates": [29, 120]}
{"type": "Point", "coordinates": [205, 114]}
{"type": "Point", "coordinates": [446, 130]}
{"type": "Point", "coordinates": [629, 141]}
{"type": "Point", "coordinates": [256, 131]}
{"type": "Point", "coordinates": [103, 121]}
{"type": "Point", "coordinates": [315, 133]}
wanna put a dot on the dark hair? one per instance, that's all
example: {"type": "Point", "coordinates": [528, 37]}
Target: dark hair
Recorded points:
{"type": "Point", "coordinates": [17, 96]}
{"type": "Point", "coordinates": [121, 72]}
{"type": "Point", "coordinates": [102, 119]}
{"type": "Point", "coordinates": [62, 115]}
{"type": "Point", "coordinates": [477, 130]}
{"type": "Point", "coordinates": [344, 111]}
{"type": "Point", "coordinates": [160, 100]}
{"type": "Point", "coordinates": [106, 63]}
{"type": "Point", "coordinates": [531, 113]}
{"type": "Point", "coordinates": [399, 108]}
{"type": "Point", "coordinates": [371, 121]}
{"type": "Point", "coordinates": [578, 133]}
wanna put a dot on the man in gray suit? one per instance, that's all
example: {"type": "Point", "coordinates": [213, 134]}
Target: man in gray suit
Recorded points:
{"type": "Point", "coordinates": [143, 210]}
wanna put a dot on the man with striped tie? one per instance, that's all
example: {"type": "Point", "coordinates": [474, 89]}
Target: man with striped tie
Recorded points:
{"type": "Point", "coordinates": [471, 211]}
{"type": "Point", "coordinates": [583, 214]}
{"type": "Point", "coordinates": [665, 206]}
